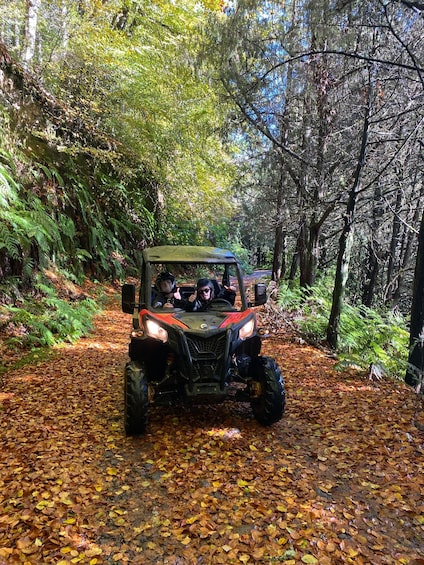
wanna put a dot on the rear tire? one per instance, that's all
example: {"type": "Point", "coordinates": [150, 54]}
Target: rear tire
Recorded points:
{"type": "Point", "coordinates": [136, 398]}
{"type": "Point", "coordinates": [270, 396]}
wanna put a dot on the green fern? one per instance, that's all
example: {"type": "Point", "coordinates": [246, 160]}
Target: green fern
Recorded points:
{"type": "Point", "coordinates": [8, 241]}
{"type": "Point", "coordinates": [50, 320]}
{"type": "Point", "coordinates": [366, 337]}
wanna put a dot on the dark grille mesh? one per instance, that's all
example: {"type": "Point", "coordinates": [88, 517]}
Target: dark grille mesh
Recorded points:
{"type": "Point", "coordinates": [206, 348]}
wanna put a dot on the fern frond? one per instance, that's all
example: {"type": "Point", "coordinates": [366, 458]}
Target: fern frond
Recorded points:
{"type": "Point", "coordinates": [9, 241]}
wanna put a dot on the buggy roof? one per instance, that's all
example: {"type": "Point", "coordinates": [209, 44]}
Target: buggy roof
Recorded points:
{"type": "Point", "coordinates": [188, 254]}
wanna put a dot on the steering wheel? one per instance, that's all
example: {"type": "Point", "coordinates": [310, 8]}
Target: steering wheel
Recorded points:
{"type": "Point", "coordinates": [221, 304]}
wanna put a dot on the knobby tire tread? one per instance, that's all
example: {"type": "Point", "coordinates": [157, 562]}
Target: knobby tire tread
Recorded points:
{"type": "Point", "coordinates": [269, 408]}
{"type": "Point", "coordinates": [136, 399]}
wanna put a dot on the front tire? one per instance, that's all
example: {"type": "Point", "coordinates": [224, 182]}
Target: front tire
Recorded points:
{"type": "Point", "coordinates": [268, 392]}
{"type": "Point", "coordinates": [136, 398]}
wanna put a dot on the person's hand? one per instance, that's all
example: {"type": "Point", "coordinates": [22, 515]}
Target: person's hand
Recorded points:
{"type": "Point", "coordinates": [230, 288]}
{"type": "Point", "coordinates": [193, 296]}
{"type": "Point", "coordinates": [177, 294]}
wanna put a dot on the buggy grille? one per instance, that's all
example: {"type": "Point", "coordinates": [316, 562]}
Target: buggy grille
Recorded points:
{"type": "Point", "coordinates": [211, 348]}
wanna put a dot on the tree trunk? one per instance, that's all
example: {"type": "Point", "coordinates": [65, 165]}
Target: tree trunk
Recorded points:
{"type": "Point", "coordinates": [342, 273]}
{"type": "Point", "coordinates": [294, 265]}
{"type": "Point", "coordinates": [394, 248]}
{"type": "Point", "coordinates": [32, 7]}
{"type": "Point", "coordinates": [414, 373]}
{"type": "Point", "coordinates": [278, 251]}
{"type": "Point", "coordinates": [375, 253]}
{"type": "Point", "coordinates": [346, 238]}
{"type": "Point", "coordinates": [371, 274]}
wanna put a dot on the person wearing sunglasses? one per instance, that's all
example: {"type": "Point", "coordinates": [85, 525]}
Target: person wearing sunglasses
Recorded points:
{"type": "Point", "coordinates": [205, 293]}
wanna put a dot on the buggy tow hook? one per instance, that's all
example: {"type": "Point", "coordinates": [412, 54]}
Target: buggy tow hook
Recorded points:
{"type": "Point", "coordinates": [255, 388]}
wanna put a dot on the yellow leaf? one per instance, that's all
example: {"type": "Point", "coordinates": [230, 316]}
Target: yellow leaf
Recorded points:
{"type": "Point", "coordinates": [98, 488]}
{"type": "Point", "coordinates": [112, 471]}
{"type": "Point", "coordinates": [252, 448]}
{"type": "Point", "coordinates": [244, 558]}
{"type": "Point", "coordinates": [186, 540]}
{"type": "Point", "coordinates": [282, 508]}
{"type": "Point", "coordinates": [226, 548]}
{"type": "Point", "coordinates": [93, 551]}
{"type": "Point", "coordinates": [69, 521]}
{"type": "Point", "coordinates": [120, 522]}
{"type": "Point", "coordinates": [192, 519]}
{"type": "Point", "coordinates": [310, 559]}
{"type": "Point", "coordinates": [242, 483]}
{"type": "Point", "coordinates": [271, 529]}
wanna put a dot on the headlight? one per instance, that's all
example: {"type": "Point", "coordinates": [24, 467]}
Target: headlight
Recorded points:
{"type": "Point", "coordinates": [247, 330]}
{"type": "Point", "coordinates": [154, 330]}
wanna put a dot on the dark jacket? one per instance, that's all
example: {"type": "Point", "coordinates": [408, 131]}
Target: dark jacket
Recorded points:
{"type": "Point", "coordinates": [160, 300]}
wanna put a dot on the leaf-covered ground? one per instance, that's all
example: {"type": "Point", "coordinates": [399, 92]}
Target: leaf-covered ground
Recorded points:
{"type": "Point", "coordinates": [339, 480]}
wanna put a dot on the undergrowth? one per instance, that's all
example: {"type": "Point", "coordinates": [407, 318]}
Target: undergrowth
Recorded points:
{"type": "Point", "coordinates": [43, 319]}
{"type": "Point", "coordinates": [372, 340]}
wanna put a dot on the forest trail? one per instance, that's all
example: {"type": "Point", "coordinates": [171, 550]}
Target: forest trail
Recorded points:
{"type": "Point", "coordinates": [339, 480]}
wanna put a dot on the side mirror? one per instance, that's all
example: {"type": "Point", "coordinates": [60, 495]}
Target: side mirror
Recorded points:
{"type": "Point", "coordinates": [260, 294]}
{"type": "Point", "coordinates": [128, 298]}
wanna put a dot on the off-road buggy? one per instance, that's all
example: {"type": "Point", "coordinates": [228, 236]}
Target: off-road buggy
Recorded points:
{"type": "Point", "coordinates": [199, 357]}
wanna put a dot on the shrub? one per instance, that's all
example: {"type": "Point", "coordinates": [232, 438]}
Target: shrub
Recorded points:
{"type": "Point", "coordinates": [46, 319]}
{"type": "Point", "coordinates": [367, 337]}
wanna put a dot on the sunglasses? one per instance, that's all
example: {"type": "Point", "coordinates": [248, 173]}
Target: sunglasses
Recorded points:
{"type": "Point", "coordinates": [204, 290]}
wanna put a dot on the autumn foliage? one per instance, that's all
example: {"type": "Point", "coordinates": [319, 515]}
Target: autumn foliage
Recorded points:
{"type": "Point", "coordinates": [339, 480]}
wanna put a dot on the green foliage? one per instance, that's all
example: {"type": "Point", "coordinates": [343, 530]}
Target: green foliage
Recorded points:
{"type": "Point", "coordinates": [131, 73]}
{"type": "Point", "coordinates": [27, 230]}
{"type": "Point", "coordinates": [368, 339]}
{"type": "Point", "coordinates": [49, 320]}
{"type": "Point", "coordinates": [242, 254]}
{"type": "Point", "coordinates": [136, 75]}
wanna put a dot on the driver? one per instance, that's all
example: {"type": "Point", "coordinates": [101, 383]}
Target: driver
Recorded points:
{"type": "Point", "coordinates": [202, 298]}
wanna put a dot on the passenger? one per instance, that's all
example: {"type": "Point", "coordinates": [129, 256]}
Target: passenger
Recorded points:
{"type": "Point", "coordinates": [204, 295]}
{"type": "Point", "coordinates": [168, 295]}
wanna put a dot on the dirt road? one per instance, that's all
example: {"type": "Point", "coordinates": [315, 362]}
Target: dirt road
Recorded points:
{"type": "Point", "coordinates": [339, 480]}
